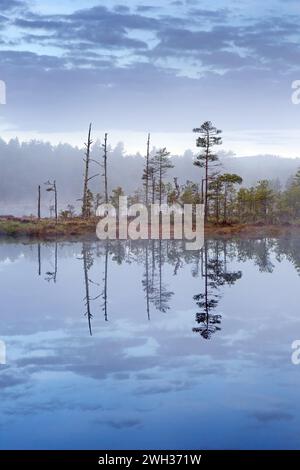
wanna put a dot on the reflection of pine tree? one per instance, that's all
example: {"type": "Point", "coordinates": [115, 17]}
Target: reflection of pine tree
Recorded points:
{"type": "Point", "coordinates": [289, 247]}
{"type": "Point", "coordinates": [156, 291]}
{"type": "Point", "coordinates": [215, 274]}
{"type": "Point", "coordinates": [257, 250]}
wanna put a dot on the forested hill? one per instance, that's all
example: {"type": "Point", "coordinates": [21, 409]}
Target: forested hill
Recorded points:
{"type": "Point", "coordinates": [24, 166]}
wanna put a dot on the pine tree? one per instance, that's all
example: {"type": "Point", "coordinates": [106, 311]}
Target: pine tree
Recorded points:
{"type": "Point", "coordinates": [161, 164]}
{"type": "Point", "coordinates": [209, 137]}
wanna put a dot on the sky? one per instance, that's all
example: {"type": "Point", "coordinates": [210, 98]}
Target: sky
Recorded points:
{"type": "Point", "coordinates": [159, 67]}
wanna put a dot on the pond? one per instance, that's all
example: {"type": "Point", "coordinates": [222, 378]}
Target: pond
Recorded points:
{"type": "Point", "coordinates": [143, 345]}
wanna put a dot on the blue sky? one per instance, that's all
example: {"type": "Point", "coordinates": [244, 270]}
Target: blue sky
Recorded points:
{"type": "Point", "coordinates": [156, 66]}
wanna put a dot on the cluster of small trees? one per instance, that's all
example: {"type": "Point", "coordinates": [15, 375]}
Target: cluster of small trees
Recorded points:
{"type": "Point", "coordinates": [225, 200]}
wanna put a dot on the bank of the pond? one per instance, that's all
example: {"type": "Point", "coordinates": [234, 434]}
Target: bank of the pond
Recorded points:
{"type": "Point", "coordinates": [77, 227]}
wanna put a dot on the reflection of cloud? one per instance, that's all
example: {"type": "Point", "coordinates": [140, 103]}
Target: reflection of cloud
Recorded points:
{"type": "Point", "coordinates": [29, 409]}
{"type": "Point", "coordinates": [272, 415]}
{"type": "Point", "coordinates": [122, 423]}
{"type": "Point", "coordinates": [134, 372]}
{"type": "Point", "coordinates": [164, 388]}
{"type": "Point", "coordinates": [11, 377]}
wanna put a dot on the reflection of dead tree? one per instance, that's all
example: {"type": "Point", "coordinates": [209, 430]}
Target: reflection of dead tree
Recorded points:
{"type": "Point", "coordinates": [39, 259]}
{"type": "Point", "coordinates": [88, 261]}
{"type": "Point", "coordinates": [146, 281]}
{"type": "Point", "coordinates": [104, 292]}
{"type": "Point", "coordinates": [52, 275]}
{"type": "Point", "coordinates": [87, 290]}
{"type": "Point", "coordinates": [158, 293]}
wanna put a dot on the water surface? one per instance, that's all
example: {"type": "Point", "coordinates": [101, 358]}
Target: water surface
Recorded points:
{"type": "Point", "coordinates": [144, 345]}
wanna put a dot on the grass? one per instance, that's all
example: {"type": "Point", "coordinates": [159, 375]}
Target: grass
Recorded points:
{"type": "Point", "coordinates": [46, 228]}
{"type": "Point", "coordinates": [78, 227]}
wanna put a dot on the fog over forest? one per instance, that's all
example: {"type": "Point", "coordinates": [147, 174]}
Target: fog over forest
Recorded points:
{"type": "Point", "coordinates": [26, 165]}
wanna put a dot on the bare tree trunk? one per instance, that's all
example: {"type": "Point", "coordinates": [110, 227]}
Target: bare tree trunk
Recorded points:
{"type": "Point", "coordinates": [206, 189]}
{"type": "Point", "coordinates": [105, 168]}
{"type": "Point", "coordinates": [55, 200]}
{"type": "Point", "coordinates": [217, 206]}
{"type": "Point", "coordinates": [153, 190]}
{"type": "Point", "coordinates": [39, 202]}
{"type": "Point", "coordinates": [86, 174]}
{"type": "Point", "coordinates": [202, 190]}
{"type": "Point", "coordinates": [160, 183]}
{"type": "Point", "coordinates": [225, 204]}
{"type": "Point", "coordinates": [147, 170]}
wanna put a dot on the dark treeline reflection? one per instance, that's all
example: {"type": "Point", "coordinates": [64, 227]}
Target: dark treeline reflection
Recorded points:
{"type": "Point", "coordinates": [160, 259]}
{"type": "Point", "coordinates": [215, 273]}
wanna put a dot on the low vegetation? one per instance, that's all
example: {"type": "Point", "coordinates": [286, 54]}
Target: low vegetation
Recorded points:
{"type": "Point", "coordinates": [229, 207]}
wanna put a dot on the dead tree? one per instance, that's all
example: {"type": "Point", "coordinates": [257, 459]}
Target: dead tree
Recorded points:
{"type": "Point", "coordinates": [177, 188]}
{"type": "Point", "coordinates": [55, 200]}
{"type": "Point", "coordinates": [51, 187]}
{"type": "Point", "coordinates": [87, 160]}
{"type": "Point", "coordinates": [146, 171]}
{"type": "Point", "coordinates": [39, 202]}
{"type": "Point", "coordinates": [104, 146]}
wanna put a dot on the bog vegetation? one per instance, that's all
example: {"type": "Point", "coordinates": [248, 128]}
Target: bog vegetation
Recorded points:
{"type": "Point", "coordinates": [227, 201]}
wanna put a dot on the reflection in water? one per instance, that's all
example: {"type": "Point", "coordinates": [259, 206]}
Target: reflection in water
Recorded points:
{"type": "Point", "coordinates": [67, 365]}
{"type": "Point", "coordinates": [210, 264]}
{"type": "Point", "coordinates": [146, 281]}
{"type": "Point", "coordinates": [88, 261]}
{"type": "Point", "coordinates": [51, 275]}
{"type": "Point", "coordinates": [215, 274]}
{"type": "Point", "coordinates": [104, 292]}
{"type": "Point", "coordinates": [87, 264]}
{"type": "Point", "coordinates": [156, 291]}
{"type": "Point", "coordinates": [39, 259]}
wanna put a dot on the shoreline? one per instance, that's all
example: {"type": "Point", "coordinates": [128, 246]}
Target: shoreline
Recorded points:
{"type": "Point", "coordinates": [78, 228]}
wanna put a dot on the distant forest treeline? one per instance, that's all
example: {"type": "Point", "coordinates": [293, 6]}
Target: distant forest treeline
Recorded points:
{"type": "Point", "coordinates": [26, 165]}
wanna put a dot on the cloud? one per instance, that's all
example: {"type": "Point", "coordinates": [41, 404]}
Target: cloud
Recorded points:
{"type": "Point", "coordinates": [182, 65]}
{"type": "Point", "coordinates": [209, 37]}
{"type": "Point", "coordinates": [7, 5]}
{"type": "Point", "coordinates": [146, 8]}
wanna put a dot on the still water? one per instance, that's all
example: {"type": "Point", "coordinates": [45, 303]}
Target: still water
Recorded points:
{"type": "Point", "coordinates": [144, 345]}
